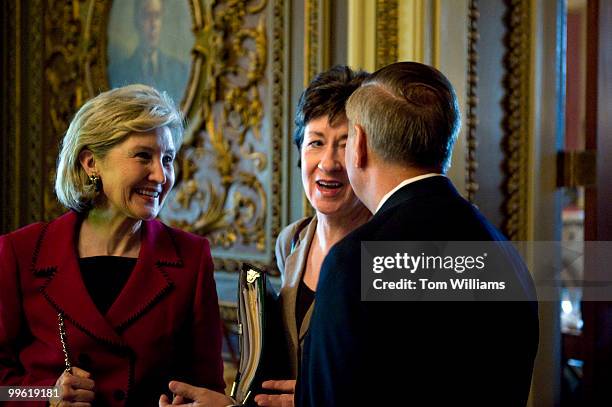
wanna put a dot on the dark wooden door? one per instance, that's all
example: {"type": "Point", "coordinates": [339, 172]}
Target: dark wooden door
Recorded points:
{"type": "Point", "coordinates": [597, 316]}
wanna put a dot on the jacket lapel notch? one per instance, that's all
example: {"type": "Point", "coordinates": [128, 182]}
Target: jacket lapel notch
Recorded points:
{"type": "Point", "coordinates": [296, 260]}
{"type": "Point", "coordinates": [37, 270]}
{"type": "Point", "coordinates": [160, 239]}
{"type": "Point", "coordinates": [309, 237]}
{"type": "Point", "coordinates": [46, 256]}
{"type": "Point", "coordinates": [55, 257]}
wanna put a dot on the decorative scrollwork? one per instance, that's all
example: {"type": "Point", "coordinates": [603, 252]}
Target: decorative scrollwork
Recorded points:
{"type": "Point", "coordinates": [278, 110]}
{"type": "Point", "coordinates": [220, 193]}
{"type": "Point", "coordinates": [471, 119]}
{"type": "Point", "coordinates": [516, 119]}
{"type": "Point", "coordinates": [74, 60]}
{"type": "Point", "coordinates": [63, 82]}
{"type": "Point", "coordinates": [313, 61]}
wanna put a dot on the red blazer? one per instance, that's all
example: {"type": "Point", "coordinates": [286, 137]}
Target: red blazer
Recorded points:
{"type": "Point", "coordinates": [163, 325]}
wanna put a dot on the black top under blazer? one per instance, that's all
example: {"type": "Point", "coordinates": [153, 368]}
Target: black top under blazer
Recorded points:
{"type": "Point", "coordinates": [417, 353]}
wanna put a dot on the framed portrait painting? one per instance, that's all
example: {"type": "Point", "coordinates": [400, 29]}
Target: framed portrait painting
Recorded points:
{"type": "Point", "coordinates": [150, 41]}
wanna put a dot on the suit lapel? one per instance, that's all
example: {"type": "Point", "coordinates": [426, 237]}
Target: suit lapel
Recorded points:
{"type": "Point", "coordinates": [56, 255]}
{"type": "Point", "coordinates": [148, 281]}
{"type": "Point", "coordinates": [294, 269]}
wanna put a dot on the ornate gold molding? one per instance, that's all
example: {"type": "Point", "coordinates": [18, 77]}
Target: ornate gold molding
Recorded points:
{"type": "Point", "coordinates": [23, 168]}
{"type": "Point", "coordinates": [471, 119]}
{"type": "Point", "coordinates": [517, 62]}
{"type": "Point", "coordinates": [386, 32]}
{"type": "Point", "coordinates": [74, 69]}
{"type": "Point", "coordinates": [316, 38]}
{"type": "Point", "coordinates": [228, 171]}
{"type": "Point", "coordinates": [311, 40]}
{"type": "Point", "coordinates": [225, 164]}
{"type": "Point", "coordinates": [34, 112]}
{"type": "Point", "coordinates": [278, 113]}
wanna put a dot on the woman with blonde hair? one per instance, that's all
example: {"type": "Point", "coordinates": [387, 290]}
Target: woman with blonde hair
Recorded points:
{"type": "Point", "coordinates": [134, 299]}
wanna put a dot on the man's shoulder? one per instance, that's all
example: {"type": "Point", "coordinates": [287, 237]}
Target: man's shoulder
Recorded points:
{"type": "Point", "coordinates": [434, 217]}
{"type": "Point", "coordinates": [352, 242]}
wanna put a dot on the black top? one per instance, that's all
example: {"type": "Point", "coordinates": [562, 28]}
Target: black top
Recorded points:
{"type": "Point", "coordinates": [305, 297]}
{"type": "Point", "coordinates": [105, 277]}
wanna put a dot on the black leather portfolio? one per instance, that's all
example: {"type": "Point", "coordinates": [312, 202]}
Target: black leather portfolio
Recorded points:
{"type": "Point", "coordinates": [263, 349]}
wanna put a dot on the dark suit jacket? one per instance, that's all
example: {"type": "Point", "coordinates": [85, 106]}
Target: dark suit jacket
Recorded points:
{"type": "Point", "coordinates": [416, 353]}
{"type": "Point", "coordinates": [163, 325]}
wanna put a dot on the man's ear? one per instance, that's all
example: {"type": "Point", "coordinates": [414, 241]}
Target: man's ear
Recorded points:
{"type": "Point", "coordinates": [88, 161]}
{"type": "Point", "coordinates": [361, 147]}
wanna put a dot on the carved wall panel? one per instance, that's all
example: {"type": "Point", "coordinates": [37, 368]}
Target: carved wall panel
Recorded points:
{"type": "Point", "coordinates": [516, 122]}
{"type": "Point", "coordinates": [471, 118]}
{"type": "Point", "coordinates": [74, 65]}
{"type": "Point", "coordinates": [316, 38]}
{"type": "Point", "coordinates": [512, 137]}
{"type": "Point", "coordinates": [21, 113]}
{"type": "Point", "coordinates": [228, 170]}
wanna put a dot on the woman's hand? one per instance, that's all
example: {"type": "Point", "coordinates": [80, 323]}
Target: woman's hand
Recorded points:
{"type": "Point", "coordinates": [200, 396]}
{"type": "Point", "coordinates": [277, 400]}
{"type": "Point", "coordinates": [76, 389]}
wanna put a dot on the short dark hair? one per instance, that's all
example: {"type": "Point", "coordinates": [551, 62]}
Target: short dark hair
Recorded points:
{"type": "Point", "coordinates": [326, 95]}
{"type": "Point", "coordinates": [410, 114]}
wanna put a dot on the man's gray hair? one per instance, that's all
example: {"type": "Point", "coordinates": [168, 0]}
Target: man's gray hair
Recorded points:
{"type": "Point", "coordinates": [410, 114]}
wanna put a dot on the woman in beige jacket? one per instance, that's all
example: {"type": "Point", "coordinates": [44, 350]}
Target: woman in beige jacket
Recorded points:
{"type": "Point", "coordinates": [320, 136]}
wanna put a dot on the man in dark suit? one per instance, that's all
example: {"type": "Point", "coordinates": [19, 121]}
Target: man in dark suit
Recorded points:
{"type": "Point", "coordinates": [403, 122]}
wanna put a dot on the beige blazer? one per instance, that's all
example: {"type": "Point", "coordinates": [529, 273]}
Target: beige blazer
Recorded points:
{"type": "Point", "coordinates": [291, 266]}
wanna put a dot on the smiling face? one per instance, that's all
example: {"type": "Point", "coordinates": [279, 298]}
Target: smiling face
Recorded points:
{"type": "Point", "coordinates": [323, 171]}
{"type": "Point", "coordinates": [137, 174]}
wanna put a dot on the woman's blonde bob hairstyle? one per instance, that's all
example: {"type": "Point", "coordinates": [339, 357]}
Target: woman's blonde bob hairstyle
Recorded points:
{"type": "Point", "coordinates": [104, 122]}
